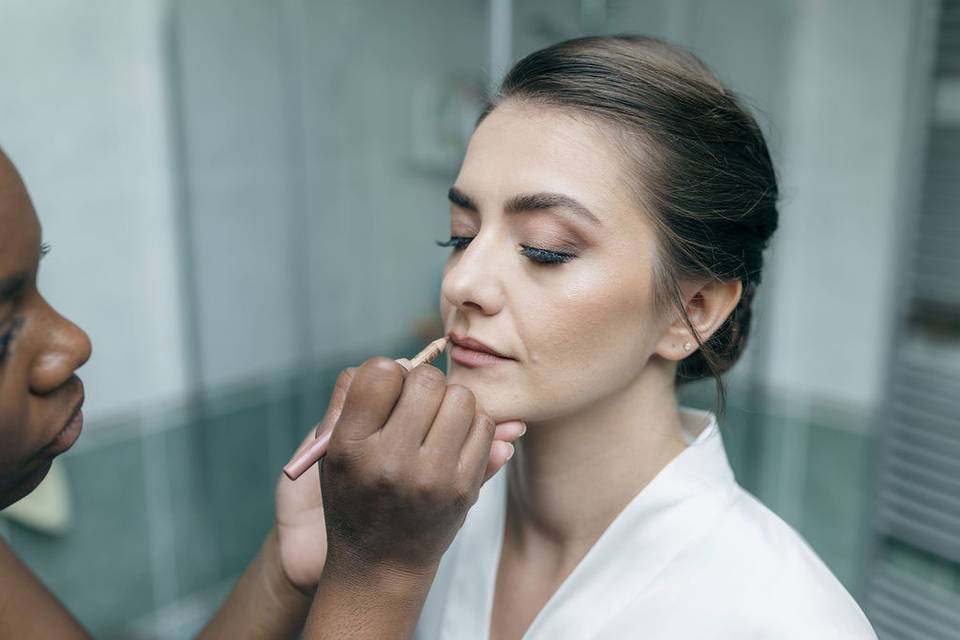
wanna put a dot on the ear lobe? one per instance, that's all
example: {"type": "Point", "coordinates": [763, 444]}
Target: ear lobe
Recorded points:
{"type": "Point", "coordinates": [707, 308]}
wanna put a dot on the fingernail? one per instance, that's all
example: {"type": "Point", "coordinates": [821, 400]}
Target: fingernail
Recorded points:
{"type": "Point", "coordinates": [523, 428]}
{"type": "Point", "coordinates": [512, 451]}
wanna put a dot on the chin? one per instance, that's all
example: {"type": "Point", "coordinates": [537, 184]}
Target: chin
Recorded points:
{"type": "Point", "coordinates": [24, 485]}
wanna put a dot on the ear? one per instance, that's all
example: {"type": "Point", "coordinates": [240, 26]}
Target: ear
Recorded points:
{"type": "Point", "coordinates": [708, 305]}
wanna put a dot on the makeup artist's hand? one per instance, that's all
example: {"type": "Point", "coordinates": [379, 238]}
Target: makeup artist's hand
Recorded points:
{"type": "Point", "coordinates": [301, 527]}
{"type": "Point", "coordinates": [404, 465]}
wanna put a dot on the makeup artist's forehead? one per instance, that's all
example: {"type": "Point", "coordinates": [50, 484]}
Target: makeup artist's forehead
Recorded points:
{"type": "Point", "coordinates": [528, 149]}
{"type": "Point", "coordinates": [20, 238]}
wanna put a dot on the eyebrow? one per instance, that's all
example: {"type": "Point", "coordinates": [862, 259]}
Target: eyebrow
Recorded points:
{"type": "Point", "coordinates": [529, 202]}
{"type": "Point", "coordinates": [12, 286]}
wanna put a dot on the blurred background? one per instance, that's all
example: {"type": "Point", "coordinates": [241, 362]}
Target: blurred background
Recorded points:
{"type": "Point", "coordinates": [242, 198]}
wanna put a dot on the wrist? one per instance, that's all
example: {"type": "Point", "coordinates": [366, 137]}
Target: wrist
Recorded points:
{"type": "Point", "coordinates": [386, 580]}
{"type": "Point", "coordinates": [387, 600]}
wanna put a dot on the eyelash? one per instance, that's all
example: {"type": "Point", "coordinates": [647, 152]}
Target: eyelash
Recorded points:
{"type": "Point", "coordinates": [8, 337]}
{"type": "Point", "coordinates": [540, 256]}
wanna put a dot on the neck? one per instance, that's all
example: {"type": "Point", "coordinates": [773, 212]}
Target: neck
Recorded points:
{"type": "Point", "coordinates": [571, 476]}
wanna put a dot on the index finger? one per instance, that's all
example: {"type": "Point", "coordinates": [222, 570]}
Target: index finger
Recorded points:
{"type": "Point", "coordinates": [373, 392]}
{"type": "Point", "coordinates": [476, 448]}
{"type": "Point", "coordinates": [337, 397]}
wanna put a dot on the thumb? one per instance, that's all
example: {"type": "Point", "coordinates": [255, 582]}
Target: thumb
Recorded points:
{"type": "Point", "coordinates": [373, 392]}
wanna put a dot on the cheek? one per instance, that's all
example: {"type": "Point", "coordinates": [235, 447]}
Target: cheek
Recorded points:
{"type": "Point", "coordinates": [13, 414]}
{"type": "Point", "coordinates": [591, 336]}
{"type": "Point", "coordinates": [583, 333]}
{"type": "Point", "coordinates": [15, 441]}
{"type": "Point", "coordinates": [595, 313]}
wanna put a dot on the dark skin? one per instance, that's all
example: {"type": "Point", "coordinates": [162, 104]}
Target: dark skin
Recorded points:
{"type": "Point", "coordinates": [39, 389]}
{"type": "Point", "coordinates": [405, 441]}
{"type": "Point", "coordinates": [40, 351]}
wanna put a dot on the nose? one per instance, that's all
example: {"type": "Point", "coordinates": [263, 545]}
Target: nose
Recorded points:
{"type": "Point", "coordinates": [471, 280]}
{"type": "Point", "coordinates": [65, 348]}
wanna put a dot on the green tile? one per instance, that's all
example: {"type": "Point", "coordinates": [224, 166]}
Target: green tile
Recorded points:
{"type": "Point", "coordinates": [312, 392]}
{"type": "Point", "coordinates": [101, 569]}
{"type": "Point", "coordinates": [836, 498]}
{"type": "Point", "coordinates": [191, 517]}
{"type": "Point", "coordinates": [239, 480]}
{"type": "Point", "coordinates": [773, 483]}
{"type": "Point", "coordinates": [741, 440]}
{"type": "Point", "coordinates": [930, 568]}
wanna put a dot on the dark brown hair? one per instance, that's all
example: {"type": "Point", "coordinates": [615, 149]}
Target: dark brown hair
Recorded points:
{"type": "Point", "coordinates": [702, 166]}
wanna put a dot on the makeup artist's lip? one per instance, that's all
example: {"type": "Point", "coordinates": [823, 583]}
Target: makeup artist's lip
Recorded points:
{"type": "Point", "coordinates": [67, 436]}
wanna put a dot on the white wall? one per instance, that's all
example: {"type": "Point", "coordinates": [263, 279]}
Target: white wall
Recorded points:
{"type": "Point", "coordinates": [827, 81]}
{"type": "Point", "coordinates": [313, 227]}
{"type": "Point", "coordinates": [83, 115]}
{"type": "Point", "coordinates": [834, 257]}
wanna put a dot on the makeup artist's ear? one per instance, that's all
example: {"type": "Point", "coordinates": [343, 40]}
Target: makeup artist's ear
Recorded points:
{"type": "Point", "coordinates": [708, 305]}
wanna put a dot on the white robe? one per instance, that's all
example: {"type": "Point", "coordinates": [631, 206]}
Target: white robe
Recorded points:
{"type": "Point", "coordinates": [692, 555]}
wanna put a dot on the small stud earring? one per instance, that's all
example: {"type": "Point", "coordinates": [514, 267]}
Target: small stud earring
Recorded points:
{"type": "Point", "coordinates": [686, 346]}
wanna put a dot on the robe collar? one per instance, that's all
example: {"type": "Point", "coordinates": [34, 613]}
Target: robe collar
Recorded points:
{"type": "Point", "coordinates": [672, 511]}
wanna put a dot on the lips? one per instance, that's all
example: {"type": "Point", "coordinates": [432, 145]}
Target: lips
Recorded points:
{"type": "Point", "coordinates": [475, 345]}
{"type": "Point", "coordinates": [67, 436]}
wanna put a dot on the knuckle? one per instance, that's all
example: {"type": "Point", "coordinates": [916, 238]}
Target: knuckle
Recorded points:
{"type": "Point", "coordinates": [461, 397]}
{"type": "Point", "coordinates": [425, 487]}
{"type": "Point", "coordinates": [463, 498]}
{"type": "Point", "coordinates": [486, 424]}
{"type": "Point", "coordinates": [381, 368]}
{"type": "Point", "coordinates": [381, 363]}
{"type": "Point", "coordinates": [390, 473]}
{"type": "Point", "coordinates": [429, 378]}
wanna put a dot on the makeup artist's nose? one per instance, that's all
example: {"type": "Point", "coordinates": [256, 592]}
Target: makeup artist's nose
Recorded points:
{"type": "Point", "coordinates": [472, 282]}
{"type": "Point", "coordinates": [65, 348]}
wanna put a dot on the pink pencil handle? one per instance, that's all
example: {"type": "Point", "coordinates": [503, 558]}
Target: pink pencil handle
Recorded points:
{"type": "Point", "coordinates": [308, 456]}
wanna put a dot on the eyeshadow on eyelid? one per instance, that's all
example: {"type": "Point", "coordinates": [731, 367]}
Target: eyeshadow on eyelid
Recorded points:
{"type": "Point", "coordinates": [536, 227]}
{"type": "Point", "coordinates": [555, 238]}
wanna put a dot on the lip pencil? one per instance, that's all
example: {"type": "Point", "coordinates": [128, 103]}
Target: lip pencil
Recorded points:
{"type": "Point", "coordinates": [309, 456]}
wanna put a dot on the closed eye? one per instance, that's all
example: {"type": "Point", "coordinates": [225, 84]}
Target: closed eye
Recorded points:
{"type": "Point", "coordinates": [536, 254]}
{"type": "Point", "coordinates": [7, 338]}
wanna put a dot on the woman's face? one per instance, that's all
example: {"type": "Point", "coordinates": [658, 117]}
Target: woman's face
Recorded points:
{"type": "Point", "coordinates": [40, 395]}
{"type": "Point", "coordinates": [575, 330]}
